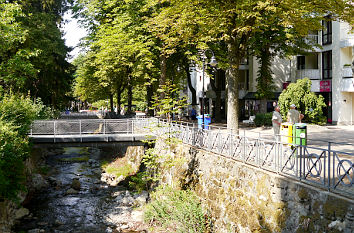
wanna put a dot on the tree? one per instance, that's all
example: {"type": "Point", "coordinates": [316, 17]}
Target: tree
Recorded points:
{"type": "Point", "coordinates": [307, 102]}
{"type": "Point", "coordinates": [32, 52]}
{"type": "Point", "coordinates": [236, 22]}
{"type": "Point", "coordinates": [15, 63]}
{"type": "Point", "coordinates": [124, 51]}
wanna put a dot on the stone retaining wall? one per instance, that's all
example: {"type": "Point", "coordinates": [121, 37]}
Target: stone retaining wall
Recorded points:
{"type": "Point", "coordinates": [243, 198]}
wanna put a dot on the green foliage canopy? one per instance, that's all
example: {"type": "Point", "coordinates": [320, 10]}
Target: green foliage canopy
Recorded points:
{"type": "Point", "coordinates": [307, 102]}
{"type": "Point", "coordinates": [16, 116]}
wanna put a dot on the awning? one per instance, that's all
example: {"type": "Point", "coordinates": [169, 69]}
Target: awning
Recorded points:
{"type": "Point", "coordinates": [252, 96]}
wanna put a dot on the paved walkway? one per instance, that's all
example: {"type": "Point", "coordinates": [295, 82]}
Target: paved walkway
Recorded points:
{"type": "Point", "coordinates": [341, 137]}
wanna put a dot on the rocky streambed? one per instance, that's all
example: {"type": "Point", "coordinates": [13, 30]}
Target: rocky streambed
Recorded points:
{"type": "Point", "coordinates": [75, 196]}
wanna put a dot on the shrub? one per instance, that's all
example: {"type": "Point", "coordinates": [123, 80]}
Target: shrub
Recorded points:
{"type": "Point", "coordinates": [176, 210]}
{"type": "Point", "coordinates": [263, 119]}
{"type": "Point", "coordinates": [307, 102]}
{"type": "Point", "coordinates": [13, 150]}
{"type": "Point", "coordinates": [22, 111]}
{"type": "Point", "coordinates": [16, 116]}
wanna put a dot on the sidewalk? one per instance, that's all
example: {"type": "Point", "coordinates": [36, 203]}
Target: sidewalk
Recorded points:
{"type": "Point", "coordinates": [340, 137]}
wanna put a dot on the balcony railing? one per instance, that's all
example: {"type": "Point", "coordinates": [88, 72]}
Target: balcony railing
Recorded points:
{"type": "Point", "coordinates": [347, 85]}
{"type": "Point", "coordinates": [313, 74]}
{"type": "Point", "coordinates": [347, 72]}
{"type": "Point", "coordinates": [311, 39]}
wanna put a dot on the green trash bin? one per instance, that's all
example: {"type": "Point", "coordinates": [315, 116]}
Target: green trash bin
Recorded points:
{"type": "Point", "coordinates": [300, 134]}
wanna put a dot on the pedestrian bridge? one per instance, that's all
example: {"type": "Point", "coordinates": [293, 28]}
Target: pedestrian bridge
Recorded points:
{"type": "Point", "coordinates": [90, 130]}
{"type": "Point", "coordinates": [324, 167]}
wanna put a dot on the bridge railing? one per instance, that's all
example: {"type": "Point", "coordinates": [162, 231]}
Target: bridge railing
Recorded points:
{"type": "Point", "coordinates": [323, 167]}
{"type": "Point", "coordinates": [82, 127]}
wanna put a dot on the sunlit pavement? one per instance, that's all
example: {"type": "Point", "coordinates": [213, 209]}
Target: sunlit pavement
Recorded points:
{"type": "Point", "coordinates": [340, 137]}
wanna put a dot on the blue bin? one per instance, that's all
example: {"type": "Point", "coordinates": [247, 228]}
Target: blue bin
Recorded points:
{"type": "Point", "coordinates": [207, 121]}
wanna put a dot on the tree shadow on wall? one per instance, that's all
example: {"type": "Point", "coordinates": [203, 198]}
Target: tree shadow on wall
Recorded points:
{"type": "Point", "coordinates": [191, 177]}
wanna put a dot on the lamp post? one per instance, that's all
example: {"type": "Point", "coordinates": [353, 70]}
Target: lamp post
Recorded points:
{"type": "Point", "coordinates": [213, 63]}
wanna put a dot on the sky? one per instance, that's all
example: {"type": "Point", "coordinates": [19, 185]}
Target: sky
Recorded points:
{"type": "Point", "coordinates": [73, 34]}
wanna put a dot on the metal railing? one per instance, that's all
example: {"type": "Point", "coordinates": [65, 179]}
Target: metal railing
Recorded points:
{"type": "Point", "coordinates": [322, 167]}
{"type": "Point", "coordinates": [86, 127]}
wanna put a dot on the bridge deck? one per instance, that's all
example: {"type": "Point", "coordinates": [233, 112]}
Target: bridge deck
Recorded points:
{"type": "Point", "coordinates": [89, 138]}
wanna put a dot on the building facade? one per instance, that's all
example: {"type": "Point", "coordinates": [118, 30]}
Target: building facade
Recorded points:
{"type": "Point", "coordinates": [329, 67]}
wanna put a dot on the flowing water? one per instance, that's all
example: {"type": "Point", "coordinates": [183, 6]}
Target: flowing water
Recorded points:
{"type": "Point", "coordinates": [75, 199]}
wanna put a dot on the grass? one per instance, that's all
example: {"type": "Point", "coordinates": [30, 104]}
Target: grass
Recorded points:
{"type": "Point", "coordinates": [176, 211]}
{"type": "Point", "coordinates": [44, 170]}
{"type": "Point", "coordinates": [75, 159]}
{"type": "Point", "coordinates": [118, 167]}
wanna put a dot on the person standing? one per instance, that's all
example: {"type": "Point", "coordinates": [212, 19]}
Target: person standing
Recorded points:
{"type": "Point", "coordinates": [276, 121]}
{"type": "Point", "coordinates": [193, 114]}
{"type": "Point", "coordinates": [294, 115]}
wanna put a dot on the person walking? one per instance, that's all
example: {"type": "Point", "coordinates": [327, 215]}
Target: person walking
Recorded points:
{"type": "Point", "coordinates": [276, 121]}
{"type": "Point", "coordinates": [294, 116]}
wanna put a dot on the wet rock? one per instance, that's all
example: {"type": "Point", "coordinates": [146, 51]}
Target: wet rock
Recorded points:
{"type": "Point", "coordinates": [76, 184]}
{"type": "Point", "coordinates": [20, 213]}
{"type": "Point", "coordinates": [141, 198]}
{"type": "Point", "coordinates": [137, 215]}
{"type": "Point", "coordinates": [58, 222]}
{"type": "Point", "coordinates": [127, 201]}
{"type": "Point", "coordinates": [35, 231]}
{"type": "Point", "coordinates": [52, 181]}
{"type": "Point", "coordinates": [42, 223]}
{"type": "Point", "coordinates": [71, 191]}
{"type": "Point", "coordinates": [38, 182]}
{"type": "Point", "coordinates": [118, 199]}
{"type": "Point", "coordinates": [337, 225]}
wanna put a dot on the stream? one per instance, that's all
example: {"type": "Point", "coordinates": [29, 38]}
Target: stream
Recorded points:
{"type": "Point", "coordinates": [75, 198]}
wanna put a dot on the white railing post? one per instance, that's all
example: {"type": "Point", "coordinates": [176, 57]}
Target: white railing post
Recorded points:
{"type": "Point", "coordinates": [104, 126]}
{"type": "Point", "coordinates": [80, 125]}
{"type": "Point", "coordinates": [54, 130]}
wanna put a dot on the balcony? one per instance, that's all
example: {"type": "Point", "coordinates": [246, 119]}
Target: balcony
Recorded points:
{"type": "Point", "coordinates": [311, 39]}
{"type": "Point", "coordinates": [313, 74]}
{"type": "Point", "coordinates": [346, 37]}
{"type": "Point", "coordinates": [347, 85]}
{"type": "Point", "coordinates": [347, 72]}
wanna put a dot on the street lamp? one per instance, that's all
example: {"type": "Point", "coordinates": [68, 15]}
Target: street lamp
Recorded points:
{"type": "Point", "coordinates": [213, 63]}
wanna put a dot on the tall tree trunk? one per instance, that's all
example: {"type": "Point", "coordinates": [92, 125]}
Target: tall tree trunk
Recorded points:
{"type": "Point", "coordinates": [119, 90]}
{"type": "Point", "coordinates": [232, 80]}
{"type": "Point", "coordinates": [265, 83]}
{"type": "Point", "coordinates": [219, 75]}
{"type": "Point", "coordinates": [130, 96]}
{"type": "Point", "coordinates": [119, 100]}
{"type": "Point", "coordinates": [149, 94]}
{"type": "Point", "coordinates": [190, 86]}
{"type": "Point", "coordinates": [163, 67]}
{"type": "Point", "coordinates": [111, 107]}
{"type": "Point", "coordinates": [163, 76]}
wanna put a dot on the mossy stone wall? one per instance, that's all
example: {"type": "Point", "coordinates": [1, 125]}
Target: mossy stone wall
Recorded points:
{"type": "Point", "coordinates": [243, 198]}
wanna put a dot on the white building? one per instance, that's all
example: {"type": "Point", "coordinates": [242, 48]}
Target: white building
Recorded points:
{"type": "Point", "coordinates": [330, 69]}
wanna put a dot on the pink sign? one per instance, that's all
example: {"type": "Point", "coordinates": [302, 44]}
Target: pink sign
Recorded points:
{"type": "Point", "coordinates": [285, 85]}
{"type": "Point", "coordinates": [325, 86]}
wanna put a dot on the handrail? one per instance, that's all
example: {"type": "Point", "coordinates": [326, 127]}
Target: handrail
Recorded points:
{"type": "Point", "coordinates": [323, 167]}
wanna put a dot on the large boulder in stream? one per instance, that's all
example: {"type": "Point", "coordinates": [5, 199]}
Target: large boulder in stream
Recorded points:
{"type": "Point", "coordinates": [76, 184]}
{"type": "Point", "coordinates": [38, 182]}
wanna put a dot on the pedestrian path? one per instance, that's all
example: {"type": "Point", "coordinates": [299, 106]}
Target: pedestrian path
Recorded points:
{"type": "Point", "coordinates": [341, 138]}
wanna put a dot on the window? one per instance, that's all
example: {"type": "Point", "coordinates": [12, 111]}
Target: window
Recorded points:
{"type": "Point", "coordinates": [300, 62]}
{"type": "Point", "coordinates": [327, 31]}
{"type": "Point", "coordinates": [327, 64]}
{"type": "Point", "coordinates": [247, 80]}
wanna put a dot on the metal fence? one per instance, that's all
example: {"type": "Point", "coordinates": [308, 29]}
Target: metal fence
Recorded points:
{"type": "Point", "coordinates": [323, 167]}
{"type": "Point", "coordinates": [82, 127]}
